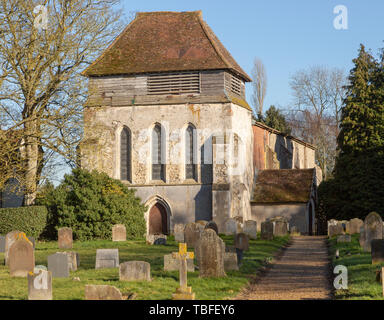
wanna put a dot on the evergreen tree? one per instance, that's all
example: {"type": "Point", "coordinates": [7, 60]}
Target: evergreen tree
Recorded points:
{"type": "Point", "coordinates": [276, 120]}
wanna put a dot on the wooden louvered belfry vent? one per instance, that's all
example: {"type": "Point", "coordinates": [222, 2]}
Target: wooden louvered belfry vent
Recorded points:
{"type": "Point", "coordinates": [174, 83]}
{"type": "Point", "coordinates": [234, 85]}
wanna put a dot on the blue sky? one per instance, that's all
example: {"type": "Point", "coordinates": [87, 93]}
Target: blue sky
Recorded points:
{"type": "Point", "coordinates": [287, 35]}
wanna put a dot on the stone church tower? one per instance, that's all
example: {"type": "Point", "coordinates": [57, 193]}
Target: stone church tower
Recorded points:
{"type": "Point", "coordinates": [167, 115]}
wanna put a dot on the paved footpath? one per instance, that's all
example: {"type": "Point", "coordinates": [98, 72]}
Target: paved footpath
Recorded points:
{"type": "Point", "coordinates": [302, 272]}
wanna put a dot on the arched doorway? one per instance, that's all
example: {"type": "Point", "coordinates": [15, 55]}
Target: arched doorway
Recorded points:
{"type": "Point", "coordinates": [158, 223]}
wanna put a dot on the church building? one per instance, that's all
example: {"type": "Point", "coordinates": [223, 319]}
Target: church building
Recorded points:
{"type": "Point", "coordinates": [167, 115]}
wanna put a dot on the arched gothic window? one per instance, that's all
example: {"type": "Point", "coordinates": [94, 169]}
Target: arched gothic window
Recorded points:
{"type": "Point", "coordinates": [125, 155]}
{"type": "Point", "coordinates": [190, 152]}
{"type": "Point", "coordinates": [157, 159]}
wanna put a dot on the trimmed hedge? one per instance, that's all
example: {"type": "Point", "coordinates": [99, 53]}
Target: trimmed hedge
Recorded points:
{"type": "Point", "coordinates": [31, 220]}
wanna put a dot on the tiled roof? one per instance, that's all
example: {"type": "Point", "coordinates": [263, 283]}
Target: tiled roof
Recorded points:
{"type": "Point", "coordinates": [283, 185]}
{"type": "Point", "coordinates": [164, 42]}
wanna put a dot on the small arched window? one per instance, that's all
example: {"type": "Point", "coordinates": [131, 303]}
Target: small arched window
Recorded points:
{"type": "Point", "coordinates": [190, 152]}
{"type": "Point", "coordinates": [157, 159]}
{"type": "Point", "coordinates": [125, 155]}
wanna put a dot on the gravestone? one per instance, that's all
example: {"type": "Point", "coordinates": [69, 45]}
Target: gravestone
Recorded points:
{"type": "Point", "coordinates": [65, 238]}
{"type": "Point", "coordinates": [230, 227]}
{"type": "Point", "coordinates": [173, 264]}
{"type": "Point", "coordinates": [335, 230]}
{"type": "Point", "coordinates": [354, 225]}
{"type": "Point", "coordinates": [178, 231]}
{"type": "Point", "coordinates": [230, 261]}
{"type": "Point", "coordinates": [373, 229]}
{"type": "Point", "coordinates": [280, 228]}
{"type": "Point", "coordinates": [10, 238]}
{"type": "Point", "coordinates": [107, 258]}
{"type": "Point", "coordinates": [212, 225]}
{"type": "Point", "coordinates": [135, 271]}
{"type": "Point", "coordinates": [192, 233]}
{"type": "Point", "coordinates": [21, 257]}
{"type": "Point", "coordinates": [2, 243]}
{"type": "Point", "coordinates": [119, 232]}
{"type": "Point", "coordinates": [377, 251]}
{"type": "Point", "coordinates": [156, 239]}
{"type": "Point", "coordinates": [250, 229]}
{"type": "Point", "coordinates": [266, 230]}
{"type": "Point", "coordinates": [211, 249]}
{"type": "Point", "coordinates": [242, 242]}
{"type": "Point", "coordinates": [73, 260]}
{"type": "Point", "coordinates": [40, 285]}
{"type": "Point", "coordinates": [344, 238]}
{"type": "Point", "coordinates": [58, 265]}
{"type": "Point", "coordinates": [102, 292]}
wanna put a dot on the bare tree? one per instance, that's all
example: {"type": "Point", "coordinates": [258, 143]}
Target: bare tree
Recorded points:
{"type": "Point", "coordinates": [41, 89]}
{"type": "Point", "coordinates": [318, 96]}
{"type": "Point", "coordinates": [259, 78]}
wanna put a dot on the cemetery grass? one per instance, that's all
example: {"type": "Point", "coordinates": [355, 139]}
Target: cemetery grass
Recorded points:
{"type": "Point", "coordinates": [163, 283]}
{"type": "Point", "coordinates": [362, 283]}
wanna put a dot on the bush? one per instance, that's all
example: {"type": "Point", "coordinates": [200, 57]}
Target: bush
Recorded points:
{"type": "Point", "coordinates": [30, 220]}
{"type": "Point", "coordinates": [91, 203]}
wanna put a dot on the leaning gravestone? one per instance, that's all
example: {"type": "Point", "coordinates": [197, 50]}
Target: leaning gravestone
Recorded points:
{"type": "Point", "coordinates": [230, 261]}
{"type": "Point", "coordinates": [354, 225]}
{"type": "Point", "coordinates": [102, 292]}
{"type": "Point", "coordinates": [212, 225]}
{"type": "Point", "coordinates": [21, 258]}
{"type": "Point", "coordinates": [173, 264]}
{"type": "Point", "coordinates": [266, 230]}
{"type": "Point", "coordinates": [178, 231]}
{"type": "Point", "coordinates": [10, 238]}
{"type": "Point", "coordinates": [192, 233]}
{"type": "Point", "coordinates": [135, 271]}
{"type": "Point", "coordinates": [377, 251]}
{"type": "Point", "coordinates": [211, 250]}
{"type": "Point", "coordinates": [119, 232]}
{"type": "Point", "coordinates": [40, 285]}
{"type": "Point", "coordinates": [107, 258]}
{"type": "Point", "coordinates": [230, 227]}
{"type": "Point", "coordinates": [58, 265]}
{"type": "Point", "coordinates": [65, 238]}
{"type": "Point", "coordinates": [250, 229]}
{"type": "Point", "coordinates": [373, 229]}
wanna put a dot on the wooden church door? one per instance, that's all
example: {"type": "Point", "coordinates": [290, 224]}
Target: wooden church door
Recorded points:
{"type": "Point", "coordinates": [158, 223]}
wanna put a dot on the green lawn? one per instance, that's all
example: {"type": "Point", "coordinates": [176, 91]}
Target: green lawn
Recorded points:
{"type": "Point", "coordinates": [161, 287]}
{"type": "Point", "coordinates": [362, 283]}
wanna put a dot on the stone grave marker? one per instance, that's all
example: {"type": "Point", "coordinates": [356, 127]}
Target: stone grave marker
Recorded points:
{"type": "Point", "coordinates": [73, 260]}
{"type": "Point", "coordinates": [335, 230]}
{"type": "Point", "coordinates": [10, 238]}
{"type": "Point", "coordinates": [102, 292]}
{"type": "Point", "coordinates": [377, 251]}
{"type": "Point", "coordinates": [354, 225]}
{"type": "Point", "coordinates": [250, 229]}
{"type": "Point", "coordinates": [230, 261]}
{"type": "Point", "coordinates": [211, 249]}
{"type": "Point", "coordinates": [40, 285]}
{"type": "Point", "coordinates": [21, 257]}
{"type": "Point", "coordinates": [178, 231]}
{"type": "Point", "coordinates": [184, 292]}
{"type": "Point", "coordinates": [280, 228]}
{"type": "Point", "coordinates": [119, 232]}
{"type": "Point", "coordinates": [107, 258]}
{"type": "Point", "coordinates": [135, 271]}
{"type": "Point", "coordinates": [192, 233]}
{"type": "Point", "coordinates": [266, 230]}
{"type": "Point", "coordinates": [212, 225]}
{"type": "Point", "coordinates": [373, 229]}
{"type": "Point", "coordinates": [156, 239]}
{"type": "Point", "coordinates": [65, 238]}
{"type": "Point", "coordinates": [230, 227]}
{"type": "Point", "coordinates": [58, 265]}
{"type": "Point", "coordinates": [173, 264]}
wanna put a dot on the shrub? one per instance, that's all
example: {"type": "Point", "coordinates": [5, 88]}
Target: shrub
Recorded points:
{"type": "Point", "coordinates": [91, 203]}
{"type": "Point", "coordinates": [30, 220]}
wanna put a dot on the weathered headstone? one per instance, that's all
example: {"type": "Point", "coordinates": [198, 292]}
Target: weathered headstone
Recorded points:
{"type": "Point", "coordinates": [242, 241]}
{"type": "Point", "coordinates": [65, 238]}
{"type": "Point", "coordinates": [135, 271]}
{"type": "Point", "coordinates": [58, 265]}
{"type": "Point", "coordinates": [102, 292]}
{"type": "Point", "coordinates": [280, 228]}
{"type": "Point", "coordinates": [183, 292]}
{"type": "Point", "coordinates": [107, 258]}
{"type": "Point", "coordinates": [156, 239]}
{"type": "Point", "coordinates": [10, 238]}
{"type": "Point", "coordinates": [211, 254]}
{"type": "Point", "coordinates": [21, 257]}
{"type": "Point", "coordinates": [73, 260]}
{"type": "Point", "coordinates": [344, 238]}
{"type": "Point", "coordinates": [212, 225]}
{"type": "Point", "coordinates": [178, 231]}
{"type": "Point", "coordinates": [230, 261]}
{"type": "Point", "coordinates": [40, 285]}
{"type": "Point", "coordinates": [354, 225]}
{"type": "Point", "coordinates": [377, 251]}
{"type": "Point", "coordinates": [192, 233]}
{"type": "Point", "coordinates": [173, 264]}
{"type": "Point", "coordinates": [335, 230]}
{"type": "Point", "coordinates": [250, 229]}
{"type": "Point", "coordinates": [119, 232]}
{"type": "Point", "coordinates": [266, 230]}
{"type": "Point", "coordinates": [230, 227]}
{"type": "Point", "coordinates": [373, 229]}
